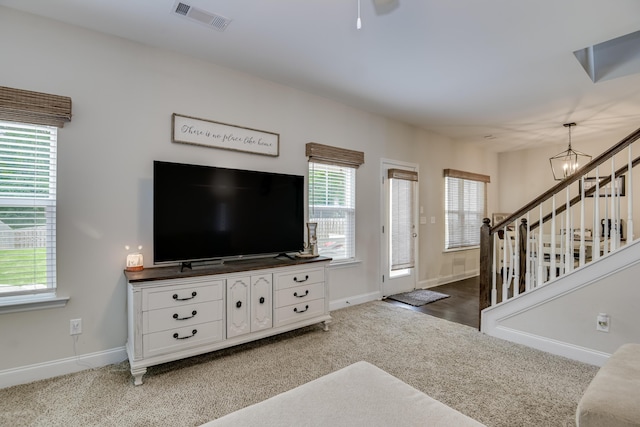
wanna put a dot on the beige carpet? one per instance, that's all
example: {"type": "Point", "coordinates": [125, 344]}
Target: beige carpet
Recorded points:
{"type": "Point", "coordinates": [494, 381]}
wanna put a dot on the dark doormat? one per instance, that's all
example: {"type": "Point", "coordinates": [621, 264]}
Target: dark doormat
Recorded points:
{"type": "Point", "coordinates": [418, 297]}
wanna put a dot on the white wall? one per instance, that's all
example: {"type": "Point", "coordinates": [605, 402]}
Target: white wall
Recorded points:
{"type": "Point", "coordinates": [123, 97]}
{"type": "Point", "coordinates": [529, 173]}
{"type": "Point", "coordinates": [560, 318]}
{"type": "Point", "coordinates": [438, 267]}
{"type": "Point", "coordinates": [574, 314]}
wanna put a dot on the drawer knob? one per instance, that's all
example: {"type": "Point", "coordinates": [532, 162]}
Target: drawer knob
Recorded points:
{"type": "Point", "coordinates": [177, 317]}
{"type": "Point", "coordinates": [261, 300]}
{"type": "Point", "coordinates": [178, 337]}
{"type": "Point", "coordinates": [239, 304]}
{"type": "Point", "coordinates": [306, 307]}
{"type": "Point", "coordinates": [193, 295]}
{"type": "Point", "coordinates": [295, 294]}
{"type": "Point", "coordinates": [306, 277]}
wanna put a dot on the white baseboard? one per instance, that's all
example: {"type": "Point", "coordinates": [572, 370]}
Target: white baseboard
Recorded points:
{"type": "Point", "coordinates": [54, 368]}
{"type": "Point", "coordinates": [355, 300]}
{"type": "Point", "coordinates": [430, 283]}
{"type": "Point", "coordinates": [423, 284]}
{"type": "Point", "coordinates": [559, 348]}
{"type": "Point", "coordinates": [426, 284]}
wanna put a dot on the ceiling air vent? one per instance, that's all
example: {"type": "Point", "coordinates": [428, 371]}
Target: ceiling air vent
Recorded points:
{"type": "Point", "coordinates": [182, 9]}
{"type": "Point", "coordinates": [200, 16]}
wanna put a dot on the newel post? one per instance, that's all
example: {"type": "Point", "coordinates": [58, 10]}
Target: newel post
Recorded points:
{"type": "Point", "coordinates": [486, 264]}
{"type": "Point", "coordinates": [522, 256]}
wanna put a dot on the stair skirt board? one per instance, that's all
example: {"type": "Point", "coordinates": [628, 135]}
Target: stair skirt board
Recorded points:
{"type": "Point", "coordinates": [492, 318]}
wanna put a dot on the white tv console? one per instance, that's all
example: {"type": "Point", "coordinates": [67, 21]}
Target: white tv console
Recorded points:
{"type": "Point", "coordinates": [174, 314]}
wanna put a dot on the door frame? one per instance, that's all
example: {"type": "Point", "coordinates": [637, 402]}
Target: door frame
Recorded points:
{"type": "Point", "coordinates": [385, 164]}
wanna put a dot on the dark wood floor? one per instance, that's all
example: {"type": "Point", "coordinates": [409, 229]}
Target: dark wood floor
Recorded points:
{"type": "Point", "coordinates": [460, 307]}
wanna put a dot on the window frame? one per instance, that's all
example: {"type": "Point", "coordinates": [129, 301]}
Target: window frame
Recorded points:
{"type": "Point", "coordinates": [348, 209]}
{"type": "Point", "coordinates": [41, 194]}
{"type": "Point", "coordinates": [463, 209]}
{"type": "Point", "coordinates": [402, 220]}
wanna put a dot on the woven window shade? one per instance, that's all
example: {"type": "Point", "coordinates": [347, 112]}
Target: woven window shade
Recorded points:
{"type": "Point", "coordinates": [403, 174]}
{"type": "Point", "coordinates": [24, 106]}
{"type": "Point", "coordinates": [327, 154]}
{"type": "Point", "coordinates": [452, 173]}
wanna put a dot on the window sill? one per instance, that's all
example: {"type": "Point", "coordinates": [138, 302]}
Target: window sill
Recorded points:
{"type": "Point", "coordinates": [17, 304]}
{"type": "Point", "coordinates": [466, 248]}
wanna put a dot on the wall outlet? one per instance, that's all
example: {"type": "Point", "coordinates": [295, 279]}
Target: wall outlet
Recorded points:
{"type": "Point", "coordinates": [75, 326]}
{"type": "Point", "coordinates": [602, 322]}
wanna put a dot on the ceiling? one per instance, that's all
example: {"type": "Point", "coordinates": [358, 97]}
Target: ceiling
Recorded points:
{"type": "Point", "coordinates": [499, 73]}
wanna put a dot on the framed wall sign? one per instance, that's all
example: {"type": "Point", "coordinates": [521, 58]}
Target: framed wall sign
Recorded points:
{"type": "Point", "coordinates": [208, 133]}
{"type": "Point", "coordinates": [605, 190]}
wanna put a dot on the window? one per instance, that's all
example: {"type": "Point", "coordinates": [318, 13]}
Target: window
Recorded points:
{"type": "Point", "coordinates": [27, 209]}
{"type": "Point", "coordinates": [402, 219]}
{"type": "Point", "coordinates": [465, 207]}
{"type": "Point", "coordinates": [332, 198]}
{"type": "Point", "coordinates": [332, 195]}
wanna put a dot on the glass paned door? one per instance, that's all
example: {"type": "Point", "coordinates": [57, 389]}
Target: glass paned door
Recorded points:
{"type": "Point", "coordinates": [399, 242]}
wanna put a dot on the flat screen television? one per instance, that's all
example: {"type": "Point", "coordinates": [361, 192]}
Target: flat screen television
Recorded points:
{"type": "Point", "coordinates": [208, 213]}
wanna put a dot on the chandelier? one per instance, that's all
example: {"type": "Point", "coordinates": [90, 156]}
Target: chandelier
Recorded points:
{"type": "Point", "coordinates": [566, 163]}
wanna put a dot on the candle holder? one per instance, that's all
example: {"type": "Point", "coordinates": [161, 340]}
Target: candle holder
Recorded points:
{"type": "Point", "coordinates": [135, 261]}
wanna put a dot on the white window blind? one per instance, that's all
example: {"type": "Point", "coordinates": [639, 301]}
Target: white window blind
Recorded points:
{"type": "Point", "coordinates": [27, 209]}
{"type": "Point", "coordinates": [402, 248]}
{"type": "Point", "coordinates": [465, 196]}
{"type": "Point", "coordinates": [332, 194]}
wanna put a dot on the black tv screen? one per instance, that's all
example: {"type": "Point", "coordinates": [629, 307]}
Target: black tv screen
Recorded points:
{"type": "Point", "coordinates": [204, 212]}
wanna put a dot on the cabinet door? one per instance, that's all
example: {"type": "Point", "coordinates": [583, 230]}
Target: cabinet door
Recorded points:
{"type": "Point", "coordinates": [261, 302]}
{"type": "Point", "coordinates": [238, 306]}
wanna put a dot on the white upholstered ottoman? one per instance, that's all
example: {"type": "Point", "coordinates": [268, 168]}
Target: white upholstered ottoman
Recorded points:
{"type": "Point", "coordinates": [358, 395]}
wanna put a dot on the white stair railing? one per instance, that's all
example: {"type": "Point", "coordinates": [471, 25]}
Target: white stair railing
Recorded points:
{"type": "Point", "coordinates": [568, 227]}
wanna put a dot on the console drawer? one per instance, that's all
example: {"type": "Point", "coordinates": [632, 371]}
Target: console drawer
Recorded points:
{"type": "Point", "coordinates": [299, 294]}
{"type": "Point", "coordinates": [174, 296]}
{"type": "Point", "coordinates": [302, 277]}
{"type": "Point", "coordinates": [181, 338]}
{"type": "Point", "coordinates": [181, 316]}
{"type": "Point", "coordinates": [296, 312]}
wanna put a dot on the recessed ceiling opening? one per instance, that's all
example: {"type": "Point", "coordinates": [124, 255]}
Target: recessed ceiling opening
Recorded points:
{"type": "Point", "coordinates": [614, 58]}
{"type": "Point", "coordinates": [211, 20]}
